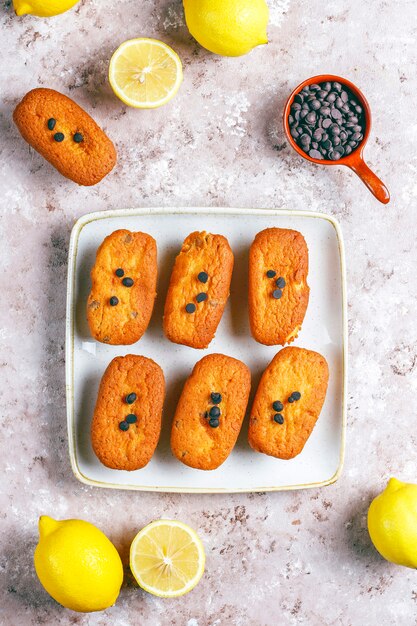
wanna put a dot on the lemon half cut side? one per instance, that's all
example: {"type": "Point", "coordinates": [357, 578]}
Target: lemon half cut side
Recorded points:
{"type": "Point", "coordinates": [145, 73]}
{"type": "Point", "coordinates": [167, 558]}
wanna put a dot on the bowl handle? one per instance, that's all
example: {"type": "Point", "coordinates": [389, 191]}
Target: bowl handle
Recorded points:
{"type": "Point", "coordinates": [371, 180]}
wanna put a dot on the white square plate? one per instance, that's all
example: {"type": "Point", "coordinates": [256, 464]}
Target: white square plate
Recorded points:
{"type": "Point", "coordinates": [324, 330]}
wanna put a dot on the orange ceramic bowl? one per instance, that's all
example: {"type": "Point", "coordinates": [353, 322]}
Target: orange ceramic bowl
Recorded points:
{"type": "Point", "coordinates": [354, 160]}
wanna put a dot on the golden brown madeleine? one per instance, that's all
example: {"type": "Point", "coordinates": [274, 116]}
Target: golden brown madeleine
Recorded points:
{"type": "Point", "coordinates": [127, 419]}
{"type": "Point", "coordinates": [65, 135]}
{"type": "Point", "coordinates": [278, 290]}
{"type": "Point", "coordinates": [210, 411]}
{"type": "Point", "coordinates": [123, 289]}
{"type": "Point", "coordinates": [288, 402]}
{"type": "Point", "coordinates": [198, 289]}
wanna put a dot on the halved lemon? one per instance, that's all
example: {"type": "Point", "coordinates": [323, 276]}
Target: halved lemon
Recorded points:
{"type": "Point", "coordinates": [145, 73]}
{"type": "Point", "coordinates": [167, 558]}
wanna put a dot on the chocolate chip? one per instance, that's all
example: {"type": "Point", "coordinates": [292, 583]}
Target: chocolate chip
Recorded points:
{"type": "Point", "coordinates": [114, 301]}
{"type": "Point", "coordinates": [271, 273]}
{"type": "Point", "coordinates": [216, 398]}
{"type": "Point", "coordinates": [291, 399]}
{"type": "Point", "coordinates": [278, 418]}
{"type": "Point", "coordinates": [59, 137]}
{"type": "Point", "coordinates": [311, 118]}
{"type": "Point", "coordinates": [130, 398]}
{"type": "Point", "coordinates": [214, 423]}
{"type": "Point", "coordinates": [119, 272]}
{"type": "Point", "coordinates": [296, 395]}
{"type": "Point", "coordinates": [190, 307]}
{"type": "Point", "coordinates": [277, 294]}
{"type": "Point", "coordinates": [128, 282]}
{"type": "Point", "coordinates": [214, 411]}
{"type": "Point", "coordinates": [123, 425]}
{"type": "Point", "coordinates": [280, 282]}
{"type": "Point", "coordinates": [315, 154]}
{"type": "Point", "coordinates": [131, 418]}
{"type": "Point", "coordinates": [201, 297]}
{"type": "Point", "coordinates": [277, 406]}
{"type": "Point", "coordinates": [51, 123]}
{"type": "Point", "coordinates": [78, 138]}
{"type": "Point", "coordinates": [203, 277]}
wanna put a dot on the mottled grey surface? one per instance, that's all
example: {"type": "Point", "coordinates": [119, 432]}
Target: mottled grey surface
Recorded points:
{"type": "Point", "coordinates": [284, 558]}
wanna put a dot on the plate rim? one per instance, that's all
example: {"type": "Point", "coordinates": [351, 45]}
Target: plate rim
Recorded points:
{"type": "Point", "coordinates": [87, 218]}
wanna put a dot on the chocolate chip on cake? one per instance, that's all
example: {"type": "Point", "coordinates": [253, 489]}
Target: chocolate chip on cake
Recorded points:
{"type": "Point", "coordinates": [278, 418]}
{"type": "Point", "coordinates": [190, 307]}
{"type": "Point", "coordinates": [128, 282]}
{"type": "Point", "coordinates": [51, 123]}
{"type": "Point", "coordinates": [201, 297]}
{"type": "Point", "coordinates": [59, 137]}
{"type": "Point", "coordinates": [203, 277]}
{"type": "Point", "coordinates": [216, 398]}
{"type": "Point", "coordinates": [114, 301]}
{"type": "Point", "coordinates": [123, 425]}
{"type": "Point", "coordinates": [130, 398]}
{"type": "Point", "coordinates": [277, 406]}
{"type": "Point", "coordinates": [131, 418]}
{"type": "Point", "coordinates": [214, 411]}
{"type": "Point", "coordinates": [119, 272]}
{"type": "Point", "coordinates": [271, 273]}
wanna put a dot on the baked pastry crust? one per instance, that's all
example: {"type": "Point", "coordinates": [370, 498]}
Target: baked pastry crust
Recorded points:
{"type": "Point", "coordinates": [85, 162]}
{"type": "Point", "coordinates": [131, 449]}
{"type": "Point", "coordinates": [292, 369]}
{"type": "Point", "coordinates": [193, 441]}
{"type": "Point", "coordinates": [206, 253]}
{"type": "Point", "coordinates": [126, 322]}
{"type": "Point", "coordinates": [278, 321]}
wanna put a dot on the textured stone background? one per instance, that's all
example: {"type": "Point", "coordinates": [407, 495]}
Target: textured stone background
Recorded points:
{"type": "Point", "coordinates": [284, 558]}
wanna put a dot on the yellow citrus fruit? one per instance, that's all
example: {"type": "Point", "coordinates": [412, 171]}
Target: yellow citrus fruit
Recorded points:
{"type": "Point", "coordinates": [78, 566]}
{"type": "Point", "coordinates": [227, 27]}
{"type": "Point", "coordinates": [392, 523]}
{"type": "Point", "coordinates": [42, 8]}
{"type": "Point", "coordinates": [145, 73]}
{"type": "Point", "coordinates": [167, 558]}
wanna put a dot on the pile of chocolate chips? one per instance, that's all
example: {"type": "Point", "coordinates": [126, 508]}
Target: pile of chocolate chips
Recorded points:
{"type": "Point", "coordinates": [327, 121]}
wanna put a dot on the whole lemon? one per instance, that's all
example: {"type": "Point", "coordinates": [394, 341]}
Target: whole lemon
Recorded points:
{"type": "Point", "coordinates": [227, 27]}
{"type": "Point", "coordinates": [392, 523]}
{"type": "Point", "coordinates": [78, 566]}
{"type": "Point", "coordinates": [42, 8]}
